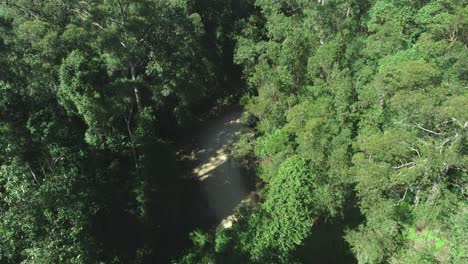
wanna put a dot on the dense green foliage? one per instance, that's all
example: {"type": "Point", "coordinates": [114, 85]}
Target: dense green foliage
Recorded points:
{"type": "Point", "coordinates": [360, 103]}
{"type": "Point", "coordinates": [91, 95]}
{"type": "Point", "coordinates": [362, 113]}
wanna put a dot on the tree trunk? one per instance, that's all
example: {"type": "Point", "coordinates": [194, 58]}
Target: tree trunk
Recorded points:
{"type": "Point", "coordinates": [136, 90]}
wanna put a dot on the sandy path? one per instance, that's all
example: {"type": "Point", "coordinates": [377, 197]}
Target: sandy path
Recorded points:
{"type": "Point", "coordinates": [222, 183]}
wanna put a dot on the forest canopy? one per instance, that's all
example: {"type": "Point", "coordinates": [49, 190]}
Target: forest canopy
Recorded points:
{"type": "Point", "coordinates": [355, 112]}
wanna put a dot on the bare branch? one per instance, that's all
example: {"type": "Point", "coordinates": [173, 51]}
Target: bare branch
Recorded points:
{"type": "Point", "coordinates": [97, 25]}
{"type": "Point", "coordinates": [427, 130]}
{"type": "Point", "coordinates": [404, 196]}
{"type": "Point", "coordinates": [132, 142]}
{"type": "Point", "coordinates": [416, 198]}
{"type": "Point", "coordinates": [443, 123]}
{"type": "Point", "coordinates": [405, 165]}
{"type": "Point", "coordinates": [419, 155]}
{"type": "Point", "coordinates": [442, 145]}
{"type": "Point", "coordinates": [34, 175]}
{"type": "Point", "coordinates": [457, 121]}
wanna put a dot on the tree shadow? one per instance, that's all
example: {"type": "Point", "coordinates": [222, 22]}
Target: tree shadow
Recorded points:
{"type": "Point", "coordinates": [208, 195]}
{"type": "Point", "coordinates": [326, 244]}
{"type": "Point", "coordinates": [219, 183]}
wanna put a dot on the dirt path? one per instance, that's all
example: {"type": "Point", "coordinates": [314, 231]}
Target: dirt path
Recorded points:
{"type": "Point", "coordinates": [221, 182]}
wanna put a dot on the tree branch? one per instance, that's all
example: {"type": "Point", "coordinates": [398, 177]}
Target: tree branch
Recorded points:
{"type": "Point", "coordinates": [34, 175]}
{"type": "Point", "coordinates": [419, 155]}
{"type": "Point", "coordinates": [427, 130]}
{"type": "Point", "coordinates": [405, 165]}
{"type": "Point", "coordinates": [127, 121]}
{"type": "Point", "coordinates": [404, 196]}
